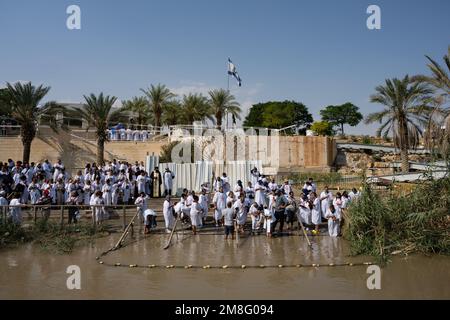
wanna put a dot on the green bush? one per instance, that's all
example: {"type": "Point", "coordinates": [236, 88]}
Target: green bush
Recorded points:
{"type": "Point", "coordinates": [367, 140]}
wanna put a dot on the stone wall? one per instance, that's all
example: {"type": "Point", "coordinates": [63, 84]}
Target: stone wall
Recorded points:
{"type": "Point", "coordinates": [357, 162]}
{"type": "Point", "coordinates": [76, 148]}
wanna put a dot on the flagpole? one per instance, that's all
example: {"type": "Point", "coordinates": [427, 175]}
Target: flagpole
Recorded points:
{"type": "Point", "coordinates": [228, 91]}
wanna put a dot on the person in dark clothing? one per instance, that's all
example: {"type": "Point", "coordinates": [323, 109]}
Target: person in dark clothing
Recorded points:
{"type": "Point", "coordinates": [280, 206]}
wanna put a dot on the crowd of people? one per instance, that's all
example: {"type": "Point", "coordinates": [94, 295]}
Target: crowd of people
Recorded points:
{"type": "Point", "coordinates": [265, 203]}
{"type": "Point", "coordinates": [99, 187]}
{"type": "Point", "coordinates": [122, 134]}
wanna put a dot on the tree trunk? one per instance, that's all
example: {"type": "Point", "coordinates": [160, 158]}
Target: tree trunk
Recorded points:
{"type": "Point", "coordinates": [404, 159]}
{"type": "Point", "coordinates": [342, 128]}
{"type": "Point", "coordinates": [219, 120]}
{"type": "Point", "coordinates": [26, 151]}
{"type": "Point", "coordinates": [100, 151]}
{"type": "Point", "coordinates": [157, 121]}
{"type": "Point", "coordinates": [27, 133]}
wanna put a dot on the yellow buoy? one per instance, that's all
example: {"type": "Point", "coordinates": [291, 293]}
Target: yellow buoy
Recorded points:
{"type": "Point", "coordinates": [224, 267]}
{"type": "Point", "coordinates": [243, 266]}
{"type": "Point", "coordinates": [101, 262]}
{"type": "Point", "coordinates": [117, 264]}
{"type": "Point", "coordinates": [280, 266]}
{"type": "Point", "coordinates": [299, 266]}
{"type": "Point", "coordinates": [331, 264]}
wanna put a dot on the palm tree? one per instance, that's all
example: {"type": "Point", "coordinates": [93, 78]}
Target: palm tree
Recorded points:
{"type": "Point", "coordinates": [440, 77]}
{"type": "Point", "coordinates": [139, 107]}
{"type": "Point", "coordinates": [195, 107]}
{"type": "Point", "coordinates": [21, 102]}
{"type": "Point", "coordinates": [172, 113]}
{"type": "Point", "coordinates": [223, 103]}
{"type": "Point", "coordinates": [405, 114]}
{"type": "Point", "coordinates": [98, 113]}
{"type": "Point", "coordinates": [158, 98]}
{"type": "Point", "coordinates": [441, 82]}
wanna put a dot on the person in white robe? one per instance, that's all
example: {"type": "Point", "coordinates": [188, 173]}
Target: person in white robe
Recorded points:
{"type": "Point", "coordinates": [273, 186]}
{"type": "Point", "coordinates": [168, 177]}
{"type": "Point", "coordinates": [98, 210]}
{"type": "Point", "coordinates": [34, 191]}
{"type": "Point", "coordinates": [287, 188]}
{"type": "Point", "coordinates": [326, 198]}
{"type": "Point", "coordinates": [126, 187]}
{"type": "Point", "coordinates": [254, 176]}
{"type": "Point", "coordinates": [15, 210]}
{"type": "Point", "coordinates": [203, 202]}
{"type": "Point", "coordinates": [225, 183]}
{"type": "Point", "coordinates": [260, 193]}
{"type": "Point", "coordinates": [137, 135]}
{"type": "Point", "coordinates": [87, 192]}
{"type": "Point", "coordinates": [58, 167]}
{"type": "Point", "coordinates": [195, 215]}
{"type": "Point", "coordinates": [140, 181]}
{"type": "Point", "coordinates": [129, 134]}
{"type": "Point", "coordinates": [255, 215]}
{"type": "Point", "coordinates": [316, 217]}
{"type": "Point", "coordinates": [333, 222]}
{"type": "Point", "coordinates": [250, 192]}
{"type": "Point", "coordinates": [217, 184]}
{"type": "Point", "coordinates": [107, 192]}
{"type": "Point", "coordinates": [149, 217]}
{"type": "Point", "coordinates": [144, 135]}
{"type": "Point", "coordinates": [141, 204]}
{"type": "Point", "coordinates": [305, 210]}
{"type": "Point", "coordinates": [241, 213]}
{"type": "Point", "coordinates": [168, 215]}
{"type": "Point", "coordinates": [219, 201]}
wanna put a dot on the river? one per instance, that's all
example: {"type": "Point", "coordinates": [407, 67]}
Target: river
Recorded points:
{"type": "Point", "coordinates": [28, 272]}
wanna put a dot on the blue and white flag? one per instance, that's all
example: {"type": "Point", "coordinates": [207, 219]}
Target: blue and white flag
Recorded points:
{"type": "Point", "coordinates": [232, 72]}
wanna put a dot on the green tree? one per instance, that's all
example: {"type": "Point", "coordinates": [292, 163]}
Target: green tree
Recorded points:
{"type": "Point", "coordinates": [276, 114]}
{"type": "Point", "coordinates": [172, 113]}
{"type": "Point", "coordinates": [223, 103]}
{"type": "Point", "coordinates": [4, 110]}
{"type": "Point", "coordinates": [138, 106]}
{"type": "Point", "coordinates": [158, 97]}
{"type": "Point", "coordinates": [22, 102]}
{"type": "Point", "coordinates": [98, 113]}
{"type": "Point", "coordinates": [346, 113]}
{"type": "Point", "coordinates": [405, 114]}
{"type": "Point", "coordinates": [195, 107]}
{"type": "Point", "coordinates": [322, 128]}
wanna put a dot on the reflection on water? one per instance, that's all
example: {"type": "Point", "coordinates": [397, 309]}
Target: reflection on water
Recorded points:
{"type": "Point", "coordinates": [29, 273]}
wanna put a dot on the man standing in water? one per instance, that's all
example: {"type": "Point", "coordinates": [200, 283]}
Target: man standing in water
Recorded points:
{"type": "Point", "coordinates": [156, 182]}
{"type": "Point", "coordinates": [279, 206]}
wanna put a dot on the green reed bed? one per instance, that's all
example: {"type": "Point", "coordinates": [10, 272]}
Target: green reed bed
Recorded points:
{"type": "Point", "coordinates": [50, 236]}
{"type": "Point", "coordinates": [383, 224]}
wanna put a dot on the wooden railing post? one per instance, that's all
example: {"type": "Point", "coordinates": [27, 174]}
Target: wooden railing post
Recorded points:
{"type": "Point", "coordinates": [35, 214]}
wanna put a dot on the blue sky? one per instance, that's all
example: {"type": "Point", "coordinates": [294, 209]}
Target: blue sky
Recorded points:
{"type": "Point", "coordinates": [316, 52]}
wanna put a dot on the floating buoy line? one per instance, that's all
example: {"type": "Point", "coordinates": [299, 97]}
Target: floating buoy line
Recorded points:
{"type": "Point", "coordinates": [243, 266]}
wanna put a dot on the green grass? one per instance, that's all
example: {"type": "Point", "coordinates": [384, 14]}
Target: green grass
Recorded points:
{"type": "Point", "coordinates": [49, 235]}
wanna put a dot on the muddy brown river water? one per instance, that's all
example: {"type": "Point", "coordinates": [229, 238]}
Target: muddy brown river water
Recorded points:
{"type": "Point", "coordinates": [29, 273]}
